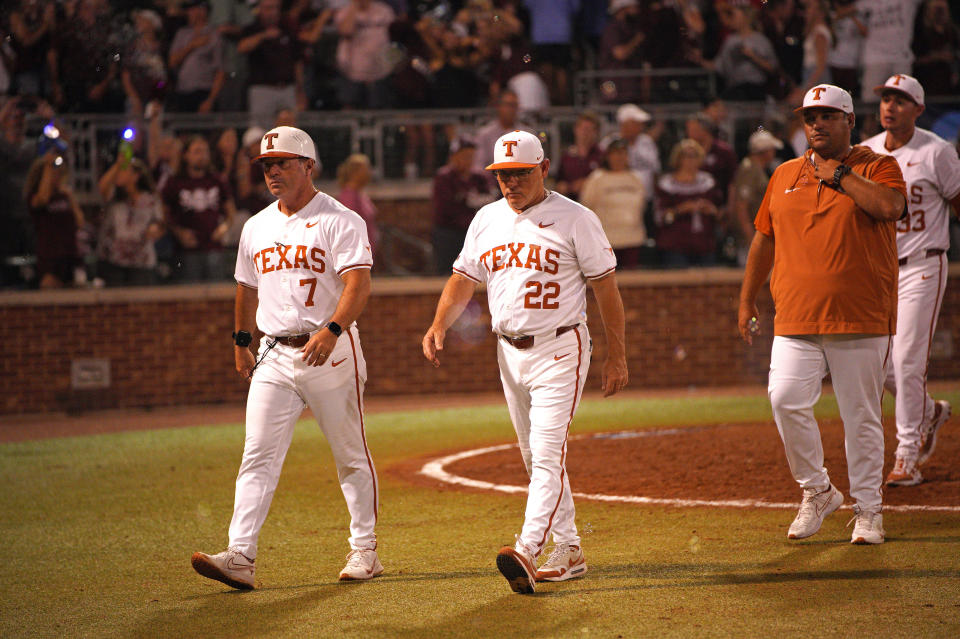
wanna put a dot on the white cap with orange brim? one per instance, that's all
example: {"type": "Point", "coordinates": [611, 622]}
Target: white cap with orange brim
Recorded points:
{"type": "Point", "coordinates": [286, 142]}
{"type": "Point", "coordinates": [516, 150]}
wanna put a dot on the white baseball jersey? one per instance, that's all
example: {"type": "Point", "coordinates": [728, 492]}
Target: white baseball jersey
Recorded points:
{"type": "Point", "coordinates": [931, 170]}
{"type": "Point", "coordinates": [295, 262]}
{"type": "Point", "coordinates": [535, 264]}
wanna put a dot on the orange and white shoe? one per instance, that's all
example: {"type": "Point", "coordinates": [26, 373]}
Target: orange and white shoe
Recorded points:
{"type": "Point", "coordinates": [929, 431]}
{"type": "Point", "coordinates": [905, 472]}
{"type": "Point", "coordinates": [565, 562]}
{"type": "Point", "coordinates": [519, 568]}
{"type": "Point", "coordinates": [361, 564]}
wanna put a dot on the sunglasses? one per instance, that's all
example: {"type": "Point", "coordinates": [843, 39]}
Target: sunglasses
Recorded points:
{"type": "Point", "coordinates": [507, 174]}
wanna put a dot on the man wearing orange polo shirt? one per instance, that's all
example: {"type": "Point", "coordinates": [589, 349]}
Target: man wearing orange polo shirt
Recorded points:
{"type": "Point", "coordinates": [826, 227]}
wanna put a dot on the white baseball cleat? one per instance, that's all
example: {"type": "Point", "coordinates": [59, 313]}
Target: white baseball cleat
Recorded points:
{"type": "Point", "coordinates": [905, 473]}
{"type": "Point", "coordinates": [230, 567]}
{"type": "Point", "coordinates": [565, 562]}
{"type": "Point", "coordinates": [519, 567]}
{"type": "Point", "coordinates": [928, 432]}
{"type": "Point", "coordinates": [868, 528]}
{"type": "Point", "coordinates": [813, 509]}
{"type": "Point", "coordinates": [361, 564]}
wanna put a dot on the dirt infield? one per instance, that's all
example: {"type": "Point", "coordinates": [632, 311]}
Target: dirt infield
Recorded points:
{"type": "Point", "coordinates": [722, 462]}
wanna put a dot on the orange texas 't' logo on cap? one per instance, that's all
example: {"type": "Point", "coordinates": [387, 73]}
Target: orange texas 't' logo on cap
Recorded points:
{"type": "Point", "coordinates": [270, 137]}
{"type": "Point", "coordinates": [509, 144]}
{"type": "Point", "coordinates": [896, 79]}
{"type": "Point", "coordinates": [817, 91]}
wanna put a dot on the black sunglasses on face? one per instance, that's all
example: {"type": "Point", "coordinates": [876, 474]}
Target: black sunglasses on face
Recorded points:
{"type": "Point", "coordinates": [506, 174]}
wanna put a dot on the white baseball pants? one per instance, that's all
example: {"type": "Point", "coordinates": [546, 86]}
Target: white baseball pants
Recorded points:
{"type": "Point", "coordinates": [282, 385]}
{"type": "Point", "coordinates": [543, 386]}
{"type": "Point", "coordinates": [856, 364]}
{"type": "Point", "coordinates": [922, 284]}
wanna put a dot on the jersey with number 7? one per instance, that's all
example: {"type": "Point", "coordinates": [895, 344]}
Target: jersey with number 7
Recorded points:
{"type": "Point", "coordinates": [295, 262]}
{"type": "Point", "coordinates": [536, 263]}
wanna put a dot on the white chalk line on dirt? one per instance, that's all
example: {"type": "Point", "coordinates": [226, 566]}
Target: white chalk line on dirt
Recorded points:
{"type": "Point", "coordinates": [436, 469]}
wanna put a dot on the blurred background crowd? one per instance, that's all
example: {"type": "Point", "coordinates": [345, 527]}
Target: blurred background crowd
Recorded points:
{"type": "Point", "coordinates": [666, 117]}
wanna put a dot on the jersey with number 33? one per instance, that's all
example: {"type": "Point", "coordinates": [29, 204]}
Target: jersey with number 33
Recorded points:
{"type": "Point", "coordinates": [931, 170]}
{"type": "Point", "coordinates": [535, 264]}
{"type": "Point", "coordinates": [295, 262]}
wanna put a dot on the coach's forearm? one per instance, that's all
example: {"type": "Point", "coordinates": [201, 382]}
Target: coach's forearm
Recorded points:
{"type": "Point", "coordinates": [607, 293]}
{"type": "Point", "coordinates": [879, 201]}
{"type": "Point", "coordinates": [245, 309]}
{"type": "Point", "coordinates": [356, 292]}
{"type": "Point", "coordinates": [759, 263]}
{"type": "Point", "coordinates": [456, 294]}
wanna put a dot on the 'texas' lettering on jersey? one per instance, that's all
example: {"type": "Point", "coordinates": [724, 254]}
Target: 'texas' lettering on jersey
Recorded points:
{"type": "Point", "coordinates": [521, 255]}
{"type": "Point", "coordinates": [290, 256]}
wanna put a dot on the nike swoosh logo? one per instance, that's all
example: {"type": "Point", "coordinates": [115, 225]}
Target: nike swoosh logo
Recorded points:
{"type": "Point", "coordinates": [912, 163]}
{"type": "Point", "coordinates": [789, 190]}
{"type": "Point", "coordinates": [310, 226]}
{"type": "Point", "coordinates": [925, 277]}
{"type": "Point", "coordinates": [543, 226]}
{"type": "Point", "coordinates": [339, 362]}
{"type": "Point", "coordinates": [557, 358]}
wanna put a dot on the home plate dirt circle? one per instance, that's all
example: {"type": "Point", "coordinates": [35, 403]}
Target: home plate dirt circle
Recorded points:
{"type": "Point", "coordinates": [723, 465]}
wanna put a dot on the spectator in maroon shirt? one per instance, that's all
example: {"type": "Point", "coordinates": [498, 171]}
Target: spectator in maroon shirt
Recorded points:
{"type": "Point", "coordinates": [720, 161]}
{"type": "Point", "coordinates": [198, 208]}
{"type": "Point", "coordinates": [274, 63]}
{"type": "Point", "coordinates": [686, 210]}
{"type": "Point", "coordinates": [56, 218]}
{"type": "Point", "coordinates": [621, 49]}
{"type": "Point", "coordinates": [582, 157]}
{"type": "Point", "coordinates": [458, 191]}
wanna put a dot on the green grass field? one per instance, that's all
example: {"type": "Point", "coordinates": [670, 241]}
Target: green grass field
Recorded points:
{"type": "Point", "coordinates": [98, 531]}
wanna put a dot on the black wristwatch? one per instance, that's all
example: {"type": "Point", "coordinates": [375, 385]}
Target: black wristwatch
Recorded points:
{"type": "Point", "coordinates": [334, 328]}
{"type": "Point", "coordinates": [242, 338]}
{"type": "Point", "coordinates": [839, 173]}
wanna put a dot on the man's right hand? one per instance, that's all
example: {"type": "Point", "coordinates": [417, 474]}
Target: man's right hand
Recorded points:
{"type": "Point", "coordinates": [747, 318]}
{"type": "Point", "coordinates": [245, 361]}
{"type": "Point", "coordinates": [433, 343]}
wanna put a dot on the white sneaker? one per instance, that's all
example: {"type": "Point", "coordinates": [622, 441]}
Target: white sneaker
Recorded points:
{"type": "Point", "coordinates": [928, 432]}
{"type": "Point", "coordinates": [519, 567]}
{"type": "Point", "coordinates": [230, 566]}
{"type": "Point", "coordinates": [905, 473]}
{"type": "Point", "coordinates": [869, 527]}
{"type": "Point", "coordinates": [565, 562]}
{"type": "Point", "coordinates": [813, 509]}
{"type": "Point", "coordinates": [361, 564]}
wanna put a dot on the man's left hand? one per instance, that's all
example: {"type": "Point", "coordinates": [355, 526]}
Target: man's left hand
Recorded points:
{"type": "Point", "coordinates": [318, 349]}
{"type": "Point", "coordinates": [824, 169]}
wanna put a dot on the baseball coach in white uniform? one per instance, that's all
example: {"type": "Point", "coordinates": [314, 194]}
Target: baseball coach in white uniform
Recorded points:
{"type": "Point", "coordinates": [303, 277]}
{"type": "Point", "coordinates": [535, 251]}
{"type": "Point", "coordinates": [931, 170]}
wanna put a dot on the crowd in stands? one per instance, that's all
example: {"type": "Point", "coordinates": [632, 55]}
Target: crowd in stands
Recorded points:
{"type": "Point", "coordinates": [171, 205]}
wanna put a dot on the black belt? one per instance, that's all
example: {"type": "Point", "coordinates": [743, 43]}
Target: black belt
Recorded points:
{"type": "Point", "coordinates": [930, 253]}
{"type": "Point", "coordinates": [524, 342]}
{"type": "Point", "coordinates": [297, 341]}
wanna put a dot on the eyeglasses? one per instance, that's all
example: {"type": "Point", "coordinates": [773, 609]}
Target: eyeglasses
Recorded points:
{"type": "Point", "coordinates": [507, 174]}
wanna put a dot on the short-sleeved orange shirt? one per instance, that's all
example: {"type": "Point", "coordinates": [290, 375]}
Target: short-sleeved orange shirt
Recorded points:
{"type": "Point", "coordinates": [835, 268]}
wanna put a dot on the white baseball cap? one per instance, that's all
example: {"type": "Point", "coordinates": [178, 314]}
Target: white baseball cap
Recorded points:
{"type": "Point", "coordinates": [827, 96]}
{"type": "Point", "coordinates": [629, 112]}
{"type": "Point", "coordinates": [516, 150]}
{"type": "Point", "coordinates": [616, 5]}
{"type": "Point", "coordinates": [286, 142]}
{"type": "Point", "coordinates": [905, 84]}
{"type": "Point", "coordinates": [763, 140]}
{"type": "Point", "coordinates": [251, 135]}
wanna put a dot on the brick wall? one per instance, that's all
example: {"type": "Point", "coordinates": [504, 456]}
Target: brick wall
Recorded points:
{"type": "Point", "coordinates": [170, 346]}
